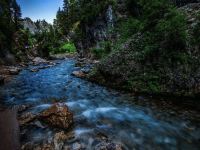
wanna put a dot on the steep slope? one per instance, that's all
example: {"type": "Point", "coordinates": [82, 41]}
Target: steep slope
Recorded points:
{"type": "Point", "coordinates": [162, 58]}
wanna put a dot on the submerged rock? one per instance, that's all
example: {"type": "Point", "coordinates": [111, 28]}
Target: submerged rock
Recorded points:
{"type": "Point", "coordinates": [14, 70]}
{"type": "Point", "coordinates": [58, 115]}
{"type": "Point", "coordinates": [108, 146]}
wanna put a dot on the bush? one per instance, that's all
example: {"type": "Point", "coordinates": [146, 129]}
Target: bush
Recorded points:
{"type": "Point", "coordinates": [171, 30]}
{"type": "Point", "coordinates": [164, 31]}
{"type": "Point", "coordinates": [64, 48]}
{"type": "Point", "coordinates": [68, 48]}
{"type": "Point", "coordinates": [104, 49]}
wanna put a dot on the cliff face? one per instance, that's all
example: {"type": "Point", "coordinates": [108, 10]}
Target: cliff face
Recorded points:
{"type": "Point", "coordinates": [35, 27]}
{"type": "Point", "coordinates": [96, 31]}
{"type": "Point", "coordinates": [30, 25]}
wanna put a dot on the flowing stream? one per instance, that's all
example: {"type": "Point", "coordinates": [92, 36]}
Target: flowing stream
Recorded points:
{"type": "Point", "coordinates": [135, 122]}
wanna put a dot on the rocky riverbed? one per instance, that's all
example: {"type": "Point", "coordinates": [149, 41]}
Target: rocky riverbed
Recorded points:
{"type": "Point", "coordinates": [56, 110]}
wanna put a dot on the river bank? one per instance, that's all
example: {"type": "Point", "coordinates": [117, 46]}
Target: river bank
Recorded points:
{"type": "Point", "coordinates": [103, 118]}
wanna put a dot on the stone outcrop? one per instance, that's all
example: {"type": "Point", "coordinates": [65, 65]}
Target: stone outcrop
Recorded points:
{"type": "Point", "coordinates": [96, 31]}
{"type": "Point", "coordinates": [30, 25]}
{"type": "Point", "coordinates": [58, 115]}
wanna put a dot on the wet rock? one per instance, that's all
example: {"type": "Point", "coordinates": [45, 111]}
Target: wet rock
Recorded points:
{"type": "Point", "coordinates": [31, 146]}
{"type": "Point", "coordinates": [58, 115]}
{"type": "Point", "coordinates": [58, 140]}
{"type": "Point", "coordinates": [56, 143]}
{"type": "Point", "coordinates": [34, 70]}
{"type": "Point", "coordinates": [14, 70]}
{"type": "Point", "coordinates": [108, 146]}
{"type": "Point", "coordinates": [21, 108]}
{"type": "Point", "coordinates": [77, 146]}
{"type": "Point", "coordinates": [45, 147]}
{"type": "Point", "coordinates": [86, 69]}
{"type": "Point", "coordinates": [38, 60]}
{"type": "Point", "coordinates": [39, 124]}
{"type": "Point", "coordinates": [9, 70]}
{"type": "Point", "coordinates": [26, 118]}
{"type": "Point", "coordinates": [79, 74]}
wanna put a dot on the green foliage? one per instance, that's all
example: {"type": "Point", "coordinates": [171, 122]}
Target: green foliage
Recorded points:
{"type": "Point", "coordinates": [163, 30]}
{"type": "Point", "coordinates": [153, 11]}
{"type": "Point", "coordinates": [104, 49]}
{"type": "Point", "coordinates": [67, 47]}
{"type": "Point", "coordinates": [126, 29]}
{"type": "Point", "coordinates": [133, 7]}
{"type": "Point", "coordinates": [171, 30]}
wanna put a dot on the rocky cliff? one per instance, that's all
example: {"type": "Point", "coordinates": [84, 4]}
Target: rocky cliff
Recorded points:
{"type": "Point", "coordinates": [35, 27]}
{"type": "Point", "coordinates": [96, 31]}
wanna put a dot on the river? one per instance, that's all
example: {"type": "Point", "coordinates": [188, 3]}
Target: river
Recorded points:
{"type": "Point", "coordinates": [135, 122]}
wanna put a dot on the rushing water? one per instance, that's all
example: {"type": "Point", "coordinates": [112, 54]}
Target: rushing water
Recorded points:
{"type": "Point", "coordinates": [136, 123]}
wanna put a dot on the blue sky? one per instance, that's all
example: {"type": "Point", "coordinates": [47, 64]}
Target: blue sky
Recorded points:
{"type": "Point", "coordinates": [40, 9]}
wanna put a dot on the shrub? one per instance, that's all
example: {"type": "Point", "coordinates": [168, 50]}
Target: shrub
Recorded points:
{"type": "Point", "coordinates": [68, 47]}
{"type": "Point", "coordinates": [63, 48]}
{"type": "Point", "coordinates": [103, 50]}
{"type": "Point", "coordinates": [171, 30]}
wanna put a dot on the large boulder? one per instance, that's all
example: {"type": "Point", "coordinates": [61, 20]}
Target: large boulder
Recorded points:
{"type": "Point", "coordinates": [58, 115]}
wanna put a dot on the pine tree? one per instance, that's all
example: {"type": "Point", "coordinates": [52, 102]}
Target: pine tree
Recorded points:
{"type": "Point", "coordinates": [17, 14]}
{"type": "Point", "coordinates": [66, 6]}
